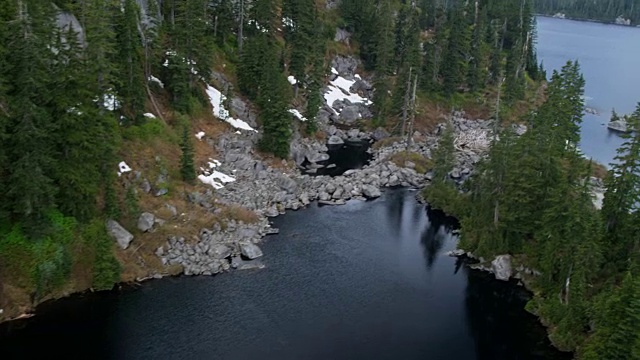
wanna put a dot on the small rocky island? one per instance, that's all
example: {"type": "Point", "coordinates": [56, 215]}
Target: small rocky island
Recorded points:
{"type": "Point", "coordinates": [619, 123]}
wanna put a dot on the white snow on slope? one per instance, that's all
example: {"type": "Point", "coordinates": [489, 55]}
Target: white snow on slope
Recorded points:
{"type": "Point", "coordinates": [292, 80]}
{"type": "Point", "coordinates": [216, 98]}
{"type": "Point", "coordinates": [156, 80]}
{"type": "Point", "coordinates": [109, 101]}
{"type": "Point", "coordinates": [123, 168]}
{"type": "Point", "coordinates": [213, 177]}
{"type": "Point", "coordinates": [149, 115]}
{"type": "Point", "coordinates": [297, 114]}
{"type": "Point", "coordinates": [340, 89]}
{"type": "Point", "coordinates": [200, 135]}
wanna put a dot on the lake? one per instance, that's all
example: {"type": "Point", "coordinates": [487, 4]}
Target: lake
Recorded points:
{"type": "Point", "coordinates": [609, 57]}
{"type": "Point", "coordinates": [368, 280]}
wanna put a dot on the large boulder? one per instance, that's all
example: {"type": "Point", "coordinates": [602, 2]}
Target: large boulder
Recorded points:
{"type": "Point", "coordinates": [349, 114]}
{"type": "Point", "coordinates": [501, 267]}
{"type": "Point", "coordinates": [250, 251]}
{"type": "Point", "coordinates": [371, 191]}
{"type": "Point", "coordinates": [380, 134]}
{"type": "Point", "coordinates": [314, 157]}
{"type": "Point", "coordinates": [286, 183]}
{"type": "Point", "coordinates": [119, 233]}
{"type": "Point", "coordinates": [345, 65]}
{"type": "Point", "coordinates": [219, 251]}
{"type": "Point", "coordinates": [335, 140]}
{"type": "Point", "coordinates": [146, 221]}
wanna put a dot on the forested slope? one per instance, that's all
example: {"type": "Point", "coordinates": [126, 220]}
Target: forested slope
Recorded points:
{"type": "Point", "coordinates": [86, 85]}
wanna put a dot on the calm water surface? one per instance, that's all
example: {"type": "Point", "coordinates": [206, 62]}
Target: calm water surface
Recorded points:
{"type": "Point", "coordinates": [609, 56]}
{"type": "Point", "coordinates": [368, 280]}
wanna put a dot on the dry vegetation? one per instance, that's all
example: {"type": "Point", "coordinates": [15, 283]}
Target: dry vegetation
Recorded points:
{"type": "Point", "coordinates": [422, 164]}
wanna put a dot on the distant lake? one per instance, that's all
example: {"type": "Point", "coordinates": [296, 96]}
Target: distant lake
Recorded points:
{"type": "Point", "coordinates": [609, 57]}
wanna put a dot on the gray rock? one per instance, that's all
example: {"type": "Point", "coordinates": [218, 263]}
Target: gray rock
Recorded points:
{"type": "Point", "coordinates": [519, 129]}
{"type": "Point", "coordinates": [119, 233]}
{"type": "Point", "coordinates": [160, 251]}
{"type": "Point", "coordinates": [317, 157]}
{"type": "Point", "coordinates": [335, 140]}
{"type": "Point", "coordinates": [161, 192]}
{"type": "Point", "coordinates": [345, 66]}
{"type": "Point", "coordinates": [349, 114]}
{"type": "Point", "coordinates": [501, 267]}
{"type": "Point", "coordinates": [619, 125]}
{"type": "Point", "coordinates": [146, 221]}
{"type": "Point", "coordinates": [342, 35]}
{"type": "Point", "coordinates": [271, 211]}
{"type": "Point", "coordinates": [380, 134]}
{"type": "Point", "coordinates": [145, 186]}
{"type": "Point", "coordinates": [172, 209]}
{"type": "Point", "coordinates": [371, 191]}
{"type": "Point", "coordinates": [330, 188]}
{"type": "Point", "coordinates": [219, 251]}
{"type": "Point", "coordinates": [286, 183]}
{"type": "Point", "coordinates": [250, 251]}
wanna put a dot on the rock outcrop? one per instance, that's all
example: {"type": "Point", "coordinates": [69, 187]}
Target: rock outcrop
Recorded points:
{"type": "Point", "coordinates": [119, 233]}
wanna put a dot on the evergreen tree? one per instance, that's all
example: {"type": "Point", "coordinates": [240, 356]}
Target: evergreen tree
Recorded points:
{"type": "Point", "coordinates": [131, 72]}
{"type": "Point", "coordinates": [187, 168]}
{"type": "Point", "coordinates": [454, 68]}
{"type": "Point", "coordinates": [29, 186]}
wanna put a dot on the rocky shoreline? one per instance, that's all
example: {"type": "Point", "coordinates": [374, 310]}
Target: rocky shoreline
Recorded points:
{"type": "Point", "coordinates": [270, 192]}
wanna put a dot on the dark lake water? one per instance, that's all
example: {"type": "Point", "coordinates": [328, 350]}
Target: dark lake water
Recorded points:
{"type": "Point", "coordinates": [368, 280]}
{"type": "Point", "coordinates": [610, 57]}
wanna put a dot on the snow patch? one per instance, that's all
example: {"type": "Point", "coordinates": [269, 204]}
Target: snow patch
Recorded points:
{"type": "Point", "coordinates": [340, 89]}
{"type": "Point", "coordinates": [297, 114]}
{"type": "Point", "coordinates": [200, 135]}
{"type": "Point", "coordinates": [123, 168]}
{"type": "Point", "coordinates": [216, 98]}
{"type": "Point", "coordinates": [213, 177]}
{"type": "Point", "coordinates": [109, 101]}
{"type": "Point", "coordinates": [258, 26]}
{"type": "Point", "coordinates": [288, 22]}
{"type": "Point", "coordinates": [149, 115]}
{"type": "Point", "coordinates": [292, 80]}
{"type": "Point", "coordinates": [334, 71]}
{"type": "Point", "coordinates": [156, 80]}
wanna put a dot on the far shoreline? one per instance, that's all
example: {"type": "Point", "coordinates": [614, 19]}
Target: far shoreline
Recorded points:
{"type": "Point", "coordinates": [604, 22]}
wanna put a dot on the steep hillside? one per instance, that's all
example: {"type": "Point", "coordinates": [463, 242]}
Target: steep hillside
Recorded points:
{"type": "Point", "coordinates": [142, 139]}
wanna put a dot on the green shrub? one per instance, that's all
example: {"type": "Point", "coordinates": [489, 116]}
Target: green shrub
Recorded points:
{"type": "Point", "coordinates": [41, 265]}
{"type": "Point", "coordinates": [106, 269]}
{"type": "Point", "coordinates": [151, 129]}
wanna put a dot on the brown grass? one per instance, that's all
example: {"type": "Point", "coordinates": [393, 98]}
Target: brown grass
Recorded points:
{"type": "Point", "coordinates": [385, 142]}
{"type": "Point", "coordinates": [598, 170]}
{"type": "Point", "coordinates": [423, 164]}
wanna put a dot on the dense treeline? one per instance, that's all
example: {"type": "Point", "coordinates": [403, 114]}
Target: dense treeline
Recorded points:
{"type": "Point", "coordinates": [69, 94]}
{"type": "Point", "coordinates": [531, 198]}
{"type": "Point", "coordinates": [603, 10]}
{"type": "Point", "coordinates": [452, 47]}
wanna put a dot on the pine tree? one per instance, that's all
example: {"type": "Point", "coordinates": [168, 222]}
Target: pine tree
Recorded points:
{"type": "Point", "coordinates": [187, 168]}
{"type": "Point", "coordinates": [29, 186]}
{"type": "Point", "coordinates": [131, 72]}
{"type": "Point", "coordinates": [623, 193]}
{"type": "Point", "coordinates": [454, 68]}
